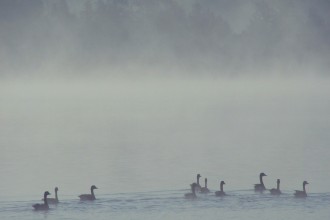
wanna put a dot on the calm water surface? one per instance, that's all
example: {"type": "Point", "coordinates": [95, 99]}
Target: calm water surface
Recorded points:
{"type": "Point", "coordinates": [243, 204]}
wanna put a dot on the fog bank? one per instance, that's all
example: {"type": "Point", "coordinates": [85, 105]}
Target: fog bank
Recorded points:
{"type": "Point", "coordinates": [145, 135]}
{"type": "Point", "coordinates": [138, 37]}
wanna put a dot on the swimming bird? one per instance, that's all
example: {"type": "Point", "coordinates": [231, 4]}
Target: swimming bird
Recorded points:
{"type": "Point", "coordinates": [221, 192]}
{"type": "Point", "coordinates": [301, 194]}
{"type": "Point", "coordinates": [53, 200]}
{"type": "Point", "coordinates": [89, 196]}
{"type": "Point", "coordinates": [205, 189]}
{"type": "Point", "coordinates": [44, 206]}
{"type": "Point", "coordinates": [191, 195]}
{"type": "Point", "coordinates": [198, 186]}
{"type": "Point", "coordinates": [260, 187]}
{"type": "Point", "coordinates": [276, 191]}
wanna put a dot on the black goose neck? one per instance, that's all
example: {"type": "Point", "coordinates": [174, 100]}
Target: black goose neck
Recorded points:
{"type": "Point", "coordinates": [45, 199]}
{"type": "Point", "coordinates": [261, 181]}
{"type": "Point", "coordinates": [198, 179]}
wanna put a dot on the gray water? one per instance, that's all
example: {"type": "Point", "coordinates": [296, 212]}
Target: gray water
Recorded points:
{"type": "Point", "coordinates": [241, 204]}
{"type": "Point", "coordinates": [142, 142]}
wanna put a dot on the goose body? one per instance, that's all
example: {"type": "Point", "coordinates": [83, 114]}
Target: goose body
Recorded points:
{"type": "Point", "coordinates": [191, 195]}
{"type": "Point", "coordinates": [205, 189]}
{"type": "Point", "coordinates": [301, 194]}
{"type": "Point", "coordinates": [53, 200]}
{"type": "Point", "coordinates": [260, 187]}
{"type": "Point", "coordinates": [88, 196]}
{"type": "Point", "coordinates": [39, 207]}
{"type": "Point", "coordinates": [221, 192]}
{"type": "Point", "coordinates": [276, 191]}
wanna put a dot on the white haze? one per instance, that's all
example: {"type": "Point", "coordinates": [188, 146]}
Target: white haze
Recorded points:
{"type": "Point", "coordinates": [141, 95]}
{"type": "Point", "coordinates": [145, 135]}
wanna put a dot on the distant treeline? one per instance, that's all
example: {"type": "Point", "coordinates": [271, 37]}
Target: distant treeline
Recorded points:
{"type": "Point", "coordinates": [200, 35]}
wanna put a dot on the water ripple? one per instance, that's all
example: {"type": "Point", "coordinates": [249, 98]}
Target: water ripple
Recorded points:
{"type": "Point", "coordinates": [172, 204]}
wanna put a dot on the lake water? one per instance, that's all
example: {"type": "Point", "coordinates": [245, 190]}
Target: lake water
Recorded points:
{"type": "Point", "coordinates": [142, 142]}
{"type": "Point", "coordinates": [241, 204]}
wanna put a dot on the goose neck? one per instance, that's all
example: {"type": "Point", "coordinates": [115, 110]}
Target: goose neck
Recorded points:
{"type": "Point", "coordinates": [45, 199]}
{"type": "Point", "coordinates": [261, 181]}
{"type": "Point", "coordinates": [221, 187]}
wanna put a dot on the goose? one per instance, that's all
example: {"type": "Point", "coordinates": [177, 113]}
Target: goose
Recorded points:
{"type": "Point", "coordinates": [276, 191]}
{"type": "Point", "coordinates": [191, 195]}
{"type": "Point", "coordinates": [88, 196]}
{"type": "Point", "coordinates": [260, 187]}
{"type": "Point", "coordinates": [44, 206]}
{"type": "Point", "coordinates": [53, 200]}
{"type": "Point", "coordinates": [301, 194]}
{"type": "Point", "coordinates": [221, 192]}
{"type": "Point", "coordinates": [205, 189]}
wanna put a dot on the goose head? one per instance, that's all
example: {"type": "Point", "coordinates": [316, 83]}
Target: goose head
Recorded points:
{"type": "Point", "coordinates": [93, 187]}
